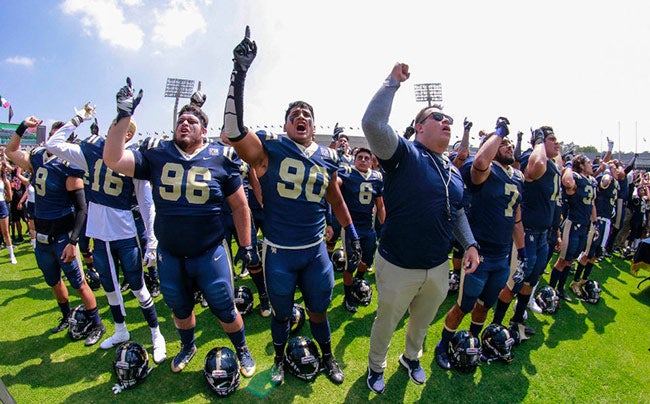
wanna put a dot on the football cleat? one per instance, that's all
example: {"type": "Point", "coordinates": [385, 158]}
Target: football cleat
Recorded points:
{"type": "Point", "coordinates": [116, 339]}
{"type": "Point", "coordinates": [95, 333]}
{"type": "Point", "coordinates": [265, 307]}
{"type": "Point", "coordinates": [183, 358]}
{"type": "Point", "coordinates": [277, 371]}
{"type": "Point", "coordinates": [63, 324]}
{"type": "Point", "coordinates": [246, 362]}
{"type": "Point", "coordinates": [332, 368]}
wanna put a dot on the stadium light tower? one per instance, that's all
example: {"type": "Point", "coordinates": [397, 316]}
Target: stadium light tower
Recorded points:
{"type": "Point", "coordinates": [429, 92]}
{"type": "Point", "coordinates": [178, 88]}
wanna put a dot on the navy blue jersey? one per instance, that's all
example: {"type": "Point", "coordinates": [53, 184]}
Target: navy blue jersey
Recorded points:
{"type": "Point", "coordinates": [493, 205]}
{"type": "Point", "coordinates": [540, 197]}
{"type": "Point", "coordinates": [638, 207]}
{"type": "Point", "coordinates": [188, 192]}
{"type": "Point", "coordinates": [625, 191]}
{"type": "Point", "coordinates": [50, 173]}
{"type": "Point", "coordinates": [580, 204]}
{"type": "Point", "coordinates": [104, 186]}
{"type": "Point", "coordinates": [418, 184]}
{"type": "Point", "coordinates": [360, 191]}
{"type": "Point", "coordinates": [606, 198]}
{"type": "Point", "coordinates": [294, 187]}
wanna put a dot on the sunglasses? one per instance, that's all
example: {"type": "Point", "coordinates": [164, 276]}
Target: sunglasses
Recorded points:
{"type": "Point", "coordinates": [438, 116]}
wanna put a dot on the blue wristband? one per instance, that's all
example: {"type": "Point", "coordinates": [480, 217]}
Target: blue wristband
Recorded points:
{"type": "Point", "coordinates": [351, 232]}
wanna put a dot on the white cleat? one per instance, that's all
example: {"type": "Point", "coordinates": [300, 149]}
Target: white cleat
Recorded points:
{"type": "Point", "coordinates": [114, 340]}
{"type": "Point", "coordinates": [159, 348]}
{"type": "Point", "coordinates": [532, 304]}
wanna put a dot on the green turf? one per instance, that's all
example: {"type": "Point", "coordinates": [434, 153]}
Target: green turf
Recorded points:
{"type": "Point", "coordinates": [583, 353]}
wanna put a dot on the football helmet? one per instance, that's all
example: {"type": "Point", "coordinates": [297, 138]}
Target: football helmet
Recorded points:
{"type": "Point", "coordinates": [302, 358]}
{"type": "Point", "coordinates": [131, 364]}
{"type": "Point", "coordinates": [361, 291]}
{"type": "Point", "coordinates": [92, 279]}
{"type": "Point", "coordinates": [244, 299]}
{"type": "Point", "coordinates": [297, 318]}
{"type": "Point", "coordinates": [497, 343]}
{"type": "Point", "coordinates": [591, 291]}
{"type": "Point", "coordinates": [338, 259]}
{"type": "Point", "coordinates": [454, 282]}
{"type": "Point", "coordinates": [221, 371]}
{"type": "Point", "coordinates": [548, 300]}
{"type": "Point", "coordinates": [464, 351]}
{"type": "Point", "coordinates": [79, 325]}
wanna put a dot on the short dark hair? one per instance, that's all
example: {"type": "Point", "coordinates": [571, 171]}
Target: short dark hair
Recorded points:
{"type": "Point", "coordinates": [343, 135]}
{"type": "Point", "coordinates": [196, 111]}
{"type": "Point", "coordinates": [423, 112]}
{"type": "Point", "coordinates": [57, 125]}
{"type": "Point", "coordinates": [298, 104]}
{"type": "Point", "coordinates": [578, 163]}
{"type": "Point", "coordinates": [361, 150]}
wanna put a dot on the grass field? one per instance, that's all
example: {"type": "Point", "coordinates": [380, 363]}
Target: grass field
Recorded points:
{"type": "Point", "coordinates": [584, 353]}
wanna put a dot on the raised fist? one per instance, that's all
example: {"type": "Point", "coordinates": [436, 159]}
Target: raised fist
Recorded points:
{"type": "Point", "coordinates": [502, 127]}
{"type": "Point", "coordinates": [244, 53]}
{"type": "Point", "coordinates": [126, 102]}
{"type": "Point", "coordinates": [467, 124]}
{"type": "Point", "coordinates": [198, 98]}
{"type": "Point", "coordinates": [86, 113]}
{"type": "Point", "coordinates": [338, 130]}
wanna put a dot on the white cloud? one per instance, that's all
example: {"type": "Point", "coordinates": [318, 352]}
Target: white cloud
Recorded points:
{"type": "Point", "coordinates": [21, 61]}
{"type": "Point", "coordinates": [178, 22]}
{"type": "Point", "coordinates": [106, 18]}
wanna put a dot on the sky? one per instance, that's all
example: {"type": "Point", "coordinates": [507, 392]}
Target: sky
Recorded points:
{"type": "Point", "coordinates": [582, 67]}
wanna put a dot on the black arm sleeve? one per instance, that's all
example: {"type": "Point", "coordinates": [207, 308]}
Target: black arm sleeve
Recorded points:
{"type": "Point", "coordinates": [81, 212]}
{"type": "Point", "coordinates": [630, 165]}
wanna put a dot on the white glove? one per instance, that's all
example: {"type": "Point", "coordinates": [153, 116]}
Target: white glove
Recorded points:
{"type": "Point", "coordinates": [150, 257]}
{"type": "Point", "coordinates": [84, 114]}
{"type": "Point", "coordinates": [610, 145]}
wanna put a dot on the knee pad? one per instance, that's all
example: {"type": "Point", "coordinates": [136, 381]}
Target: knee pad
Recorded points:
{"type": "Point", "coordinates": [144, 297]}
{"type": "Point", "coordinates": [225, 315]}
{"type": "Point", "coordinates": [113, 299]}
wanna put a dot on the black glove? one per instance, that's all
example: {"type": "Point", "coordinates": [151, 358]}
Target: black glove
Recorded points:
{"type": "Point", "coordinates": [247, 256]}
{"type": "Point", "coordinates": [244, 53]}
{"type": "Point", "coordinates": [520, 135]}
{"type": "Point", "coordinates": [94, 128]}
{"type": "Point", "coordinates": [337, 132]}
{"type": "Point", "coordinates": [198, 98]}
{"type": "Point", "coordinates": [520, 273]}
{"type": "Point", "coordinates": [126, 102]}
{"type": "Point", "coordinates": [467, 124]}
{"type": "Point", "coordinates": [355, 253]}
{"type": "Point", "coordinates": [502, 127]}
{"type": "Point", "coordinates": [537, 137]}
{"type": "Point", "coordinates": [410, 130]}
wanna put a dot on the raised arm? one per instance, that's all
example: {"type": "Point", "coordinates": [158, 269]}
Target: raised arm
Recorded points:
{"type": "Point", "coordinates": [246, 143]}
{"type": "Point", "coordinates": [383, 140]}
{"type": "Point", "coordinates": [115, 156]}
{"type": "Point", "coordinates": [17, 156]}
{"type": "Point", "coordinates": [486, 153]}
{"type": "Point", "coordinates": [57, 143]}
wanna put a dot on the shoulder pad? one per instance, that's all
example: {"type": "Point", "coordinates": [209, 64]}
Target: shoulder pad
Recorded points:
{"type": "Point", "coordinates": [151, 143]}
{"type": "Point", "coordinates": [92, 139]}
{"type": "Point", "coordinates": [37, 150]}
{"type": "Point", "coordinates": [267, 136]}
{"type": "Point", "coordinates": [330, 153]}
{"type": "Point", "coordinates": [345, 169]}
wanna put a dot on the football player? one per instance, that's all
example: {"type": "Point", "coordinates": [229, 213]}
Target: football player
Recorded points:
{"type": "Point", "coordinates": [111, 223]}
{"type": "Point", "coordinates": [581, 213]}
{"type": "Point", "coordinates": [5, 195]}
{"type": "Point", "coordinates": [254, 266]}
{"type": "Point", "coordinates": [495, 218]}
{"type": "Point", "coordinates": [190, 181]}
{"type": "Point", "coordinates": [297, 176]}
{"type": "Point", "coordinates": [540, 192]}
{"type": "Point", "coordinates": [422, 216]}
{"type": "Point", "coordinates": [60, 212]}
{"type": "Point", "coordinates": [362, 189]}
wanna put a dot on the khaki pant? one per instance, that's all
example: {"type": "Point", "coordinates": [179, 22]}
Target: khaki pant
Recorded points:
{"type": "Point", "coordinates": [420, 291]}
